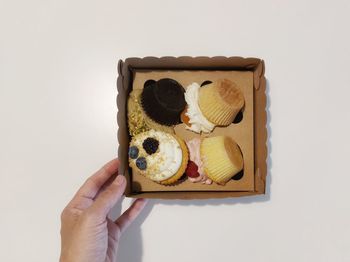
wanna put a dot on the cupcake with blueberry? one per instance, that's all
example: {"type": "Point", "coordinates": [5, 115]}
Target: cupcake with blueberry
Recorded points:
{"type": "Point", "coordinates": [159, 156]}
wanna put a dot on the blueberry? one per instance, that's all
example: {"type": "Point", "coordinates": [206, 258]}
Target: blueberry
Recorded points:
{"type": "Point", "coordinates": [150, 145]}
{"type": "Point", "coordinates": [141, 163]}
{"type": "Point", "coordinates": [133, 152]}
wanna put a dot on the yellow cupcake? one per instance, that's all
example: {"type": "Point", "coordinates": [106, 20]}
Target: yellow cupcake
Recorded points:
{"type": "Point", "coordinates": [159, 156]}
{"type": "Point", "coordinates": [221, 157]}
{"type": "Point", "coordinates": [220, 101]}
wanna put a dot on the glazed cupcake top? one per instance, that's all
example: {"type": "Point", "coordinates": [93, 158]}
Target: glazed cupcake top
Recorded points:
{"type": "Point", "coordinates": [155, 154]}
{"type": "Point", "coordinates": [197, 121]}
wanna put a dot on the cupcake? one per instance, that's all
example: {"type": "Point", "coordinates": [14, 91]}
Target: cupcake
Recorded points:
{"type": "Point", "coordinates": [215, 104]}
{"type": "Point", "coordinates": [159, 156]}
{"type": "Point", "coordinates": [195, 168]}
{"type": "Point", "coordinates": [220, 102]}
{"type": "Point", "coordinates": [154, 125]}
{"type": "Point", "coordinates": [138, 121]}
{"type": "Point", "coordinates": [163, 101]}
{"type": "Point", "coordinates": [222, 158]}
{"type": "Point", "coordinates": [192, 116]}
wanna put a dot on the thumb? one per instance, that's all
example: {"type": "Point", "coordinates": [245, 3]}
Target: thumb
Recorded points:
{"type": "Point", "coordinates": [108, 198]}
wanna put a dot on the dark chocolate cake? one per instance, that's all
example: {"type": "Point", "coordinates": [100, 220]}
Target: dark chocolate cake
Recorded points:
{"type": "Point", "coordinates": [163, 101]}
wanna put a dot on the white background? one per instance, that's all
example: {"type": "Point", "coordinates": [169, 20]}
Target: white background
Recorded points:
{"type": "Point", "coordinates": [58, 124]}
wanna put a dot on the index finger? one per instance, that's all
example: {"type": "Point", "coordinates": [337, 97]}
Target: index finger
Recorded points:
{"type": "Point", "coordinates": [130, 214]}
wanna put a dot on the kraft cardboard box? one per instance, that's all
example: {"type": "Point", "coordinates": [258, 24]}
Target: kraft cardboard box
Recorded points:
{"type": "Point", "coordinates": [249, 131]}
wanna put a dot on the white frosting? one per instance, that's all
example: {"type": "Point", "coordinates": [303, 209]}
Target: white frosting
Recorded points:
{"type": "Point", "coordinates": [166, 161]}
{"type": "Point", "coordinates": [197, 120]}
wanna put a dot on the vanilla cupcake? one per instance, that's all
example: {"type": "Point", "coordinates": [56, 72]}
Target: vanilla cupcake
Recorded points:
{"type": "Point", "coordinates": [220, 102]}
{"type": "Point", "coordinates": [222, 158]}
{"type": "Point", "coordinates": [159, 156]}
{"type": "Point", "coordinates": [215, 104]}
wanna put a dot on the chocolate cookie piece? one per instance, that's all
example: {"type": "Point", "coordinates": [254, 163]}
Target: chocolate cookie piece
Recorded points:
{"type": "Point", "coordinates": [163, 101]}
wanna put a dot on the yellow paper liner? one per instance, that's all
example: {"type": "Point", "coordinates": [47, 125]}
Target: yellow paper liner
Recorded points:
{"type": "Point", "coordinates": [222, 158]}
{"type": "Point", "coordinates": [220, 101]}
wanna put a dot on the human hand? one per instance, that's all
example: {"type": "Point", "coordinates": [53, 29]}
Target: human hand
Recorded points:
{"type": "Point", "coordinates": [87, 234]}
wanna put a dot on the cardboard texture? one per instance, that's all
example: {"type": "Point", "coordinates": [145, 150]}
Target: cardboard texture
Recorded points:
{"type": "Point", "coordinates": [241, 132]}
{"type": "Point", "coordinates": [250, 133]}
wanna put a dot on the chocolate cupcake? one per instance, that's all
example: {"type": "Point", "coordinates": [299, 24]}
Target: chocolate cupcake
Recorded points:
{"type": "Point", "coordinates": [163, 101]}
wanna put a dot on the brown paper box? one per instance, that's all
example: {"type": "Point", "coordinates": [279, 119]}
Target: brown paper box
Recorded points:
{"type": "Point", "coordinates": [250, 133]}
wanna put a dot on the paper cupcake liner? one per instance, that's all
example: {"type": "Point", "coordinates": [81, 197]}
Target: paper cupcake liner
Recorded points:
{"type": "Point", "coordinates": [220, 102]}
{"type": "Point", "coordinates": [222, 158]}
{"type": "Point", "coordinates": [155, 101]}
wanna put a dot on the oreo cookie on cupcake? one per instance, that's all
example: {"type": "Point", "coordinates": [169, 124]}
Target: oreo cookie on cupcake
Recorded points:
{"type": "Point", "coordinates": [163, 102]}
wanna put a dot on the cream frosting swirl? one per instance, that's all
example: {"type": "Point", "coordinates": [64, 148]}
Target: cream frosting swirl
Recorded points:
{"type": "Point", "coordinates": [198, 122]}
{"type": "Point", "coordinates": [165, 162]}
{"type": "Point", "coordinates": [193, 146]}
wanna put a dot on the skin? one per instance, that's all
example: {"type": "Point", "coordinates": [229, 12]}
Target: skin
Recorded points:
{"type": "Point", "coordinates": [87, 234]}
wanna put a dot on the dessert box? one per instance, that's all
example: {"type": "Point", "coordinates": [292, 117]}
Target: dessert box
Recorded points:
{"type": "Point", "coordinates": [248, 129]}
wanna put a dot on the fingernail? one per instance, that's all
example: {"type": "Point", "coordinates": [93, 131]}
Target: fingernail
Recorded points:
{"type": "Point", "coordinates": [119, 180]}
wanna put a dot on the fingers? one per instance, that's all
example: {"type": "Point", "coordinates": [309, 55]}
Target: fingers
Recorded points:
{"type": "Point", "coordinates": [130, 214]}
{"type": "Point", "coordinates": [94, 183]}
{"type": "Point", "coordinates": [108, 198]}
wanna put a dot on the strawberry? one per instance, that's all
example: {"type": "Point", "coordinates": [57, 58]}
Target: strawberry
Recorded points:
{"type": "Point", "coordinates": [192, 169]}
